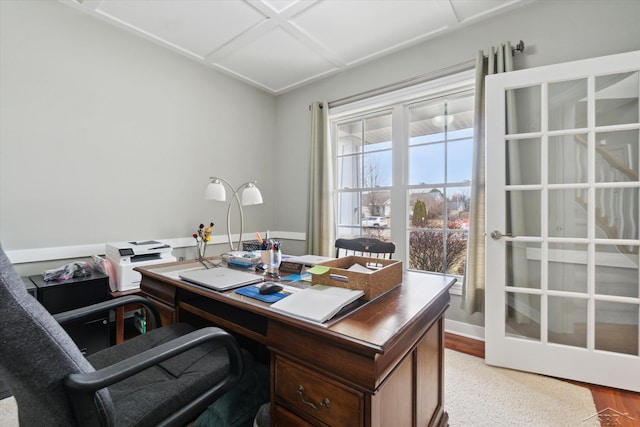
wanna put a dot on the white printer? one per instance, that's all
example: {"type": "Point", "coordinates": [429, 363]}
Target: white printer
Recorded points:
{"type": "Point", "coordinates": [125, 256]}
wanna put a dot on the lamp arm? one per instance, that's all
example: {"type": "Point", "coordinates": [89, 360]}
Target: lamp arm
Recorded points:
{"type": "Point", "coordinates": [235, 196]}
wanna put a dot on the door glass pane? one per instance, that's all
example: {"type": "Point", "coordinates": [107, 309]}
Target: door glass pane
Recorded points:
{"type": "Point", "coordinates": [568, 104]}
{"type": "Point", "coordinates": [616, 327]}
{"type": "Point", "coordinates": [567, 159]}
{"type": "Point", "coordinates": [523, 99]}
{"type": "Point", "coordinates": [523, 213]}
{"type": "Point", "coordinates": [617, 99]}
{"type": "Point", "coordinates": [522, 264]}
{"type": "Point", "coordinates": [568, 213]}
{"type": "Point", "coordinates": [522, 316]}
{"type": "Point", "coordinates": [568, 321]}
{"type": "Point", "coordinates": [523, 161]}
{"type": "Point", "coordinates": [617, 156]}
{"type": "Point", "coordinates": [617, 270]}
{"type": "Point", "coordinates": [617, 213]}
{"type": "Point", "coordinates": [567, 267]}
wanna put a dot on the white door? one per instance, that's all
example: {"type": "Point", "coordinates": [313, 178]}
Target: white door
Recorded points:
{"type": "Point", "coordinates": [563, 282]}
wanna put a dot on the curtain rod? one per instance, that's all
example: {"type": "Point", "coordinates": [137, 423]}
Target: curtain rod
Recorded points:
{"type": "Point", "coordinates": [457, 68]}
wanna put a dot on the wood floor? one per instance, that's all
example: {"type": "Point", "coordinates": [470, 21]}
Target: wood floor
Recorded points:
{"type": "Point", "coordinates": [616, 407]}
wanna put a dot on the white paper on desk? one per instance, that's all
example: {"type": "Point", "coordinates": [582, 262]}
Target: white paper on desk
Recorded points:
{"type": "Point", "coordinates": [318, 303]}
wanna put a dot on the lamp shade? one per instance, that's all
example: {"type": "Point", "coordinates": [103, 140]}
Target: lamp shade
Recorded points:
{"type": "Point", "coordinates": [215, 191]}
{"type": "Point", "coordinates": [251, 195]}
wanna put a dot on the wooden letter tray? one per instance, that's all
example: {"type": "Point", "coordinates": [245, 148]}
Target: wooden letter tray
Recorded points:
{"type": "Point", "coordinates": [374, 284]}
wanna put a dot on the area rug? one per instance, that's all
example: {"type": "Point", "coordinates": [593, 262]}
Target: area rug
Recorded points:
{"type": "Point", "coordinates": [8, 412]}
{"type": "Point", "coordinates": [479, 395]}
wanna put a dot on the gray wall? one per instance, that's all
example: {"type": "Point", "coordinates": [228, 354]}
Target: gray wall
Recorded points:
{"type": "Point", "coordinates": [553, 32]}
{"type": "Point", "coordinates": [107, 137]}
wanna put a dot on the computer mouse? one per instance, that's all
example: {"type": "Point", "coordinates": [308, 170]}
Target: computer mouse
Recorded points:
{"type": "Point", "coordinates": [269, 288]}
{"type": "Point", "coordinates": [261, 266]}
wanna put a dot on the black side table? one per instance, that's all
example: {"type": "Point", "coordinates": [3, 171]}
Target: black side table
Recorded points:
{"type": "Point", "coordinates": [91, 334]}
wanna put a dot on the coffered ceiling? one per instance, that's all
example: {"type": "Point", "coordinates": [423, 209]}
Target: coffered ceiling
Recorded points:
{"type": "Point", "coordinates": [279, 45]}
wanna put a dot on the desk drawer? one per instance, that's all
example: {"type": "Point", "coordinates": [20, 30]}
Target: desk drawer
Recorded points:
{"type": "Point", "coordinates": [283, 418]}
{"type": "Point", "coordinates": [309, 392]}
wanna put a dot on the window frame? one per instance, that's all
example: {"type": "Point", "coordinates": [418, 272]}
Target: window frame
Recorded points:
{"type": "Point", "coordinates": [399, 103]}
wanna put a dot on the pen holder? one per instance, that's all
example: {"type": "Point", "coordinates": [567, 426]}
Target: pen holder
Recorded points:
{"type": "Point", "coordinates": [271, 257]}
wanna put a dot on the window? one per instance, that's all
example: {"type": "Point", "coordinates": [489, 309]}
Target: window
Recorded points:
{"type": "Point", "coordinates": [439, 190]}
{"type": "Point", "coordinates": [403, 171]}
{"type": "Point", "coordinates": [364, 176]}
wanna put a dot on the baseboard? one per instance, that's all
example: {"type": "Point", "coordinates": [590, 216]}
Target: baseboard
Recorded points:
{"type": "Point", "coordinates": [464, 329]}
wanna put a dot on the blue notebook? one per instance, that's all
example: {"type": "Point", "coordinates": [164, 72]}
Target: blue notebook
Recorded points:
{"type": "Point", "coordinates": [254, 292]}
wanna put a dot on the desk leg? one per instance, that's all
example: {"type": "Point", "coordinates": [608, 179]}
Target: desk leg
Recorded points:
{"type": "Point", "coordinates": [119, 325]}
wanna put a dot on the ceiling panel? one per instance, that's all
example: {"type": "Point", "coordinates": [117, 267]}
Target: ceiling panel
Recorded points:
{"type": "Point", "coordinates": [356, 33]}
{"type": "Point", "coordinates": [467, 10]}
{"type": "Point", "coordinates": [275, 60]}
{"type": "Point", "coordinates": [278, 45]}
{"type": "Point", "coordinates": [280, 5]}
{"type": "Point", "coordinates": [199, 27]}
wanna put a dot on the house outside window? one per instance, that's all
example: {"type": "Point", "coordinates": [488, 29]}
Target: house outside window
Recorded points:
{"type": "Point", "coordinates": [403, 171]}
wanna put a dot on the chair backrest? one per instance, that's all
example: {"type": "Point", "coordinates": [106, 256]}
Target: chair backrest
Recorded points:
{"type": "Point", "coordinates": [36, 355]}
{"type": "Point", "coordinates": [363, 246]}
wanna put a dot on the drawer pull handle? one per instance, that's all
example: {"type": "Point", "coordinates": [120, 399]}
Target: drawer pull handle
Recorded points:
{"type": "Point", "coordinates": [324, 404]}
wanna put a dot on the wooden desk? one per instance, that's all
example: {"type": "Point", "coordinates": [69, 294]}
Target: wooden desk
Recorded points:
{"type": "Point", "coordinates": [379, 366]}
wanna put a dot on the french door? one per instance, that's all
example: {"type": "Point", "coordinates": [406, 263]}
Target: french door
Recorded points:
{"type": "Point", "coordinates": [563, 278]}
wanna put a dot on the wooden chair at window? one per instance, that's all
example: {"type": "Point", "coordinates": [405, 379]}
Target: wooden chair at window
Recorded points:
{"type": "Point", "coordinates": [362, 246]}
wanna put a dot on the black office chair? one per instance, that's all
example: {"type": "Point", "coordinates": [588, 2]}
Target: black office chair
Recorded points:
{"type": "Point", "coordinates": [363, 246]}
{"type": "Point", "coordinates": [167, 376]}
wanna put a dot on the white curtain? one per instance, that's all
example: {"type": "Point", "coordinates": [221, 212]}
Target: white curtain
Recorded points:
{"type": "Point", "coordinates": [499, 60]}
{"type": "Point", "coordinates": [320, 210]}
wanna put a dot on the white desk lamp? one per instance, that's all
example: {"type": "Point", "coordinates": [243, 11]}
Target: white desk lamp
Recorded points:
{"type": "Point", "coordinates": [250, 196]}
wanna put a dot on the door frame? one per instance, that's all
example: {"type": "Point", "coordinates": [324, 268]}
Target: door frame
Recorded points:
{"type": "Point", "coordinates": [540, 356]}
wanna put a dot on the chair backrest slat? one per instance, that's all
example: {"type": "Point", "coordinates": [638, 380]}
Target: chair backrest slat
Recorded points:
{"type": "Point", "coordinates": [363, 246]}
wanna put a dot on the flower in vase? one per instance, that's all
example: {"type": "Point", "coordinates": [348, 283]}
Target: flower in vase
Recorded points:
{"type": "Point", "coordinates": [202, 236]}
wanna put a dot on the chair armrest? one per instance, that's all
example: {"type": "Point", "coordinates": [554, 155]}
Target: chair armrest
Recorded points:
{"type": "Point", "coordinates": [82, 386]}
{"type": "Point", "coordinates": [93, 381]}
{"type": "Point", "coordinates": [82, 312]}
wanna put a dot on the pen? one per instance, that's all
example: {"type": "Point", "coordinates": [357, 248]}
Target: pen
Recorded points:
{"type": "Point", "coordinates": [259, 238]}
